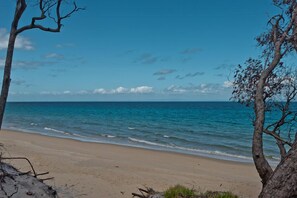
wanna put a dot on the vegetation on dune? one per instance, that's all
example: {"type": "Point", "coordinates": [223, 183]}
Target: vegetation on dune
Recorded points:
{"type": "Point", "coordinates": [179, 191]}
{"type": "Point", "coordinates": [216, 194]}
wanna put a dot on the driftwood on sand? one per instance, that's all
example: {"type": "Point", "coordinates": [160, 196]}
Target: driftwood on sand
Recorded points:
{"type": "Point", "coordinates": [147, 193]}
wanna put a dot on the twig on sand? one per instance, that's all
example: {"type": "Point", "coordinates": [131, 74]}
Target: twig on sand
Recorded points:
{"type": "Point", "coordinates": [147, 193]}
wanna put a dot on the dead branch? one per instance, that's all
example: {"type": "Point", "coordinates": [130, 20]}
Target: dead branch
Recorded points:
{"type": "Point", "coordinates": [145, 193]}
{"type": "Point", "coordinates": [21, 158]}
{"type": "Point", "coordinates": [49, 178]}
{"type": "Point", "coordinates": [45, 8]}
{"type": "Point", "coordinates": [45, 173]}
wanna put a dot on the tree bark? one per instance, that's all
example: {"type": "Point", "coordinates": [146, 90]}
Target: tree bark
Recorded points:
{"type": "Point", "coordinates": [6, 74]}
{"type": "Point", "coordinates": [262, 165]}
{"type": "Point", "coordinates": [20, 8]}
{"type": "Point", "coordinates": [282, 183]}
{"type": "Point", "coordinates": [260, 161]}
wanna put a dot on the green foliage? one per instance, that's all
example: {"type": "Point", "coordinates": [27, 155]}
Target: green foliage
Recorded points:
{"type": "Point", "coordinates": [179, 191]}
{"type": "Point", "coordinates": [211, 194]}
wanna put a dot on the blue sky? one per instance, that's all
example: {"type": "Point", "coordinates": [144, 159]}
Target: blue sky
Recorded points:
{"type": "Point", "coordinates": [144, 50]}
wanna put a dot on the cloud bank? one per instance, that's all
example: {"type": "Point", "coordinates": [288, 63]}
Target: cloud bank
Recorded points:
{"type": "Point", "coordinates": [102, 91]}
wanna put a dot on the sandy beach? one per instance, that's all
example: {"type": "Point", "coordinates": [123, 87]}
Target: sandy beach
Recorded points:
{"type": "Point", "coordinates": [82, 169]}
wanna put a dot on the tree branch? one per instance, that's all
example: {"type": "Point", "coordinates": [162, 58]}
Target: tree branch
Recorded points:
{"type": "Point", "coordinates": [277, 137]}
{"type": "Point", "coordinates": [45, 8]}
{"type": "Point", "coordinates": [282, 149]}
{"type": "Point", "coordinates": [20, 8]}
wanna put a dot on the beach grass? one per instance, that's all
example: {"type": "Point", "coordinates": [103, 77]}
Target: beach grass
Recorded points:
{"type": "Point", "coordinates": [179, 191]}
{"type": "Point", "coordinates": [216, 194]}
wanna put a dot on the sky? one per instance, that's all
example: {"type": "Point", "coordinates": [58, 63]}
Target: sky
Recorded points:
{"type": "Point", "coordinates": [135, 50]}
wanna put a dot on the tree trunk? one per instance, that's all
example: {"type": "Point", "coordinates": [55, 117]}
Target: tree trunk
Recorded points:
{"type": "Point", "coordinates": [262, 165]}
{"type": "Point", "coordinates": [283, 181]}
{"type": "Point", "coordinates": [260, 161]}
{"type": "Point", "coordinates": [6, 74]}
{"type": "Point", "coordinates": [20, 8]}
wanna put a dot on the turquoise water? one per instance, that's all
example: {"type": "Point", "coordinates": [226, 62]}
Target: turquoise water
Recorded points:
{"type": "Point", "coordinates": [215, 129]}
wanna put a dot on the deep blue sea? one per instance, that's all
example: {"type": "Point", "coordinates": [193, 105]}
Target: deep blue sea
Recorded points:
{"type": "Point", "coordinates": [214, 129]}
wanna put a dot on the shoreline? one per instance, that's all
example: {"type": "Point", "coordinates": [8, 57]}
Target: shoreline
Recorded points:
{"type": "Point", "coordinates": [204, 156]}
{"type": "Point", "coordinates": [103, 170]}
{"type": "Point", "coordinates": [185, 151]}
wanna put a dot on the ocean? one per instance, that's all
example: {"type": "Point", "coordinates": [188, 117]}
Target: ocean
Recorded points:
{"type": "Point", "coordinates": [221, 130]}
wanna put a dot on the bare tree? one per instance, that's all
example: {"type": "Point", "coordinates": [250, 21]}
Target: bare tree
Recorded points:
{"type": "Point", "coordinates": [49, 9]}
{"type": "Point", "coordinates": [264, 83]}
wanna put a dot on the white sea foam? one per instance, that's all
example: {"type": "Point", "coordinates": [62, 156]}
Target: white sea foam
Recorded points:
{"type": "Point", "coordinates": [108, 136]}
{"type": "Point", "coordinates": [77, 135]}
{"type": "Point", "coordinates": [55, 130]}
{"type": "Point", "coordinates": [192, 150]}
{"type": "Point", "coordinates": [131, 128]}
{"type": "Point", "coordinates": [166, 136]}
{"type": "Point", "coordinates": [33, 124]}
{"type": "Point", "coordinates": [146, 142]}
{"type": "Point", "coordinates": [229, 155]}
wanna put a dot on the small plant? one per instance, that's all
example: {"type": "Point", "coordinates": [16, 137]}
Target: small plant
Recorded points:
{"type": "Point", "coordinates": [179, 191]}
{"type": "Point", "coordinates": [216, 194]}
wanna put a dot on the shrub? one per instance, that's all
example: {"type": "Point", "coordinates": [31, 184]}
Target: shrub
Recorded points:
{"type": "Point", "coordinates": [179, 191]}
{"type": "Point", "coordinates": [215, 194]}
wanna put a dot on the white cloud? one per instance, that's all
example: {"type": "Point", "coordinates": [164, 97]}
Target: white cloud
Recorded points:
{"type": "Point", "coordinates": [23, 43]}
{"type": "Point", "coordinates": [228, 84]}
{"type": "Point", "coordinates": [141, 89]}
{"type": "Point", "coordinates": [100, 91]}
{"type": "Point", "coordinates": [175, 89]}
{"type": "Point", "coordinates": [20, 43]}
{"type": "Point", "coordinates": [202, 89]}
{"type": "Point", "coordinates": [120, 90]}
{"type": "Point", "coordinates": [123, 90]}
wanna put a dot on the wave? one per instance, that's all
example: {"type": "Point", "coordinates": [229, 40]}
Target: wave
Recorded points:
{"type": "Point", "coordinates": [68, 133]}
{"type": "Point", "coordinates": [192, 150]}
{"type": "Point", "coordinates": [108, 136]}
{"type": "Point", "coordinates": [131, 128]}
{"type": "Point", "coordinates": [77, 135]}
{"type": "Point", "coordinates": [166, 136]}
{"type": "Point", "coordinates": [33, 124]}
{"type": "Point", "coordinates": [146, 142]}
{"type": "Point", "coordinates": [55, 130]}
